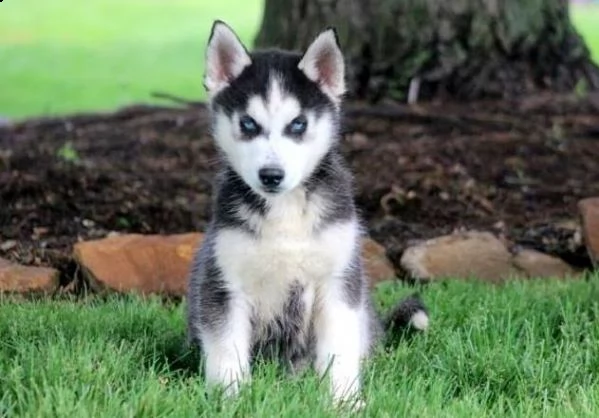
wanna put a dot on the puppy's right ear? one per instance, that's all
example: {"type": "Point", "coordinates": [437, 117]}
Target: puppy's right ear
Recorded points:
{"type": "Point", "coordinates": [226, 57]}
{"type": "Point", "coordinates": [323, 64]}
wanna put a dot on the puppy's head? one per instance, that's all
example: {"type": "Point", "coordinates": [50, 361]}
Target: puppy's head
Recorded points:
{"type": "Point", "coordinates": [275, 112]}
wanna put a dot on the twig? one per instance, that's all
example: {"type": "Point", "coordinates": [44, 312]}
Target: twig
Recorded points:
{"type": "Point", "coordinates": [177, 99]}
{"type": "Point", "coordinates": [414, 91]}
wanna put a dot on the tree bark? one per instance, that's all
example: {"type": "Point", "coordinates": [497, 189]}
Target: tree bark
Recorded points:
{"type": "Point", "coordinates": [459, 48]}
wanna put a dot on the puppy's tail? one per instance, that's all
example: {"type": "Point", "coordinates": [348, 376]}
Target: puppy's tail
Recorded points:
{"type": "Point", "coordinates": [409, 314]}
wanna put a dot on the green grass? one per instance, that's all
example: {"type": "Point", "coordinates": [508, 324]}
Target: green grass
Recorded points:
{"type": "Point", "coordinates": [524, 349]}
{"type": "Point", "coordinates": [586, 22]}
{"type": "Point", "coordinates": [64, 56]}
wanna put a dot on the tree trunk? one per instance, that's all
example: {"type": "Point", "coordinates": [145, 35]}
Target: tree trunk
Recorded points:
{"type": "Point", "coordinates": [458, 48]}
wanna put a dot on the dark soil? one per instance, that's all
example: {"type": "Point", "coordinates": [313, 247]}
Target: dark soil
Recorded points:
{"type": "Point", "coordinates": [516, 168]}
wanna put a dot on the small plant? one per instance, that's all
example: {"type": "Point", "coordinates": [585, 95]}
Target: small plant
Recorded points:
{"type": "Point", "coordinates": [581, 89]}
{"type": "Point", "coordinates": [123, 222]}
{"type": "Point", "coordinates": [68, 153]}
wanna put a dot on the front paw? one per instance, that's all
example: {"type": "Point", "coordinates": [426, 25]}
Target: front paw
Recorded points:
{"type": "Point", "coordinates": [354, 403]}
{"type": "Point", "coordinates": [345, 390]}
{"type": "Point", "coordinates": [231, 387]}
{"type": "Point", "coordinates": [227, 378]}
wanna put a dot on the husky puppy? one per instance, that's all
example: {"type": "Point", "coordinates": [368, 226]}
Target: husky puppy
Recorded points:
{"type": "Point", "coordinates": [279, 271]}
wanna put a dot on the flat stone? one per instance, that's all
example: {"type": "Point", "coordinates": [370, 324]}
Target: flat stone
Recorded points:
{"type": "Point", "coordinates": [589, 212]}
{"type": "Point", "coordinates": [155, 264]}
{"type": "Point", "coordinates": [376, 263]}
{"type": "Point", "coordinates": [4, 121]}
{"type": "Point", "coordinates": [17, 278]}
{"type": "Point", "coordinates": [540, 265]}
{"type": "Point", "coordinates": [146, 264]}
{"type": "Point", "coordinates": [472, 254]}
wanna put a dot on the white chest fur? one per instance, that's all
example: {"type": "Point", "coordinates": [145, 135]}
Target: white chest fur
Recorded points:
{"type": "Point", "coordinates": [287, 249]}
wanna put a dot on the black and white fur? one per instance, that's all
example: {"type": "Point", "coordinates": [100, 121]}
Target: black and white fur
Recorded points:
{"type": "Point", "coordinates": [279, 272]}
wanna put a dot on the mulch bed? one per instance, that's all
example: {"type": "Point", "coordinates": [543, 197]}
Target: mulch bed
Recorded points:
{"type": "Point", "coordinates": [517, 168]}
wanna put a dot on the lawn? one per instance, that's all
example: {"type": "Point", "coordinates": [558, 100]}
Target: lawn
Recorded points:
{"type": "Point", "coordinates": [525, 349]}
{"type": "Point", "coordinates": [586, 20]}
{"type": "Point", "coordinates": [63, 56]}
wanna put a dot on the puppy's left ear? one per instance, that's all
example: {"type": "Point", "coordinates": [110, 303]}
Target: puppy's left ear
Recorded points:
{"type": "Point", "coordinates": [323, 63]}
{"type": "Point", "coordinates": [226, 57]}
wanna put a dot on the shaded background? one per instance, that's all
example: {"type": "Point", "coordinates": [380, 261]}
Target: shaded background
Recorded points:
{"type": "Point", "coordinates": [64, 56]}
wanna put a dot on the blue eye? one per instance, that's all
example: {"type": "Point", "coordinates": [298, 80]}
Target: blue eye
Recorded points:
{"type": "Point", "coordinates": [248, 126]}
{"type": "Point", "coordinates": [298, 126]}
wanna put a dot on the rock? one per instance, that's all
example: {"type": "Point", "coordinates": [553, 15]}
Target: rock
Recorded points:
{"type": "Point", "coordinates": [538, 265]}
{"type": "Point", "coordinates": [4, 121]}
{"type": "Point", "coordinates": [16, 278]}
{"type": "Point", "coordinates": [146, 264]}
{"type": "Point", "coordinates": [589, 211]}
{"type": "Point", "coordinates": [479, 255]}
{"type": "Point", "coordinates": [376, 264]}
{"type": "Point", "coordinates": [562, 239]}
{"type": "Point", "coordinates": [471, 254]}
{"type": "Point", "coordinates": [8, 245]}
{"type": "Point", "coordinates": [160, 264]}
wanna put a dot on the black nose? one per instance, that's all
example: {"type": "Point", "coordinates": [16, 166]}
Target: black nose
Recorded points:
{"type": "Point", "coordinates": [271, 176]}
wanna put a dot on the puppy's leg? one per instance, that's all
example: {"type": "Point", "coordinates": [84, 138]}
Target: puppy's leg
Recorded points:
{"type": "Point", "coordinates": [339, 342]}
{"type": "Point", "coordinates": [227, 349]}
{"type": "Point", "coordinates": [219, 320]}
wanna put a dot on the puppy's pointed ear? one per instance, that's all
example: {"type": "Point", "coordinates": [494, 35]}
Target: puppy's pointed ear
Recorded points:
{"type": "Point", "coordinates": [323, 63]}
{"type": "Point", "coordinates": [226, 57]}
